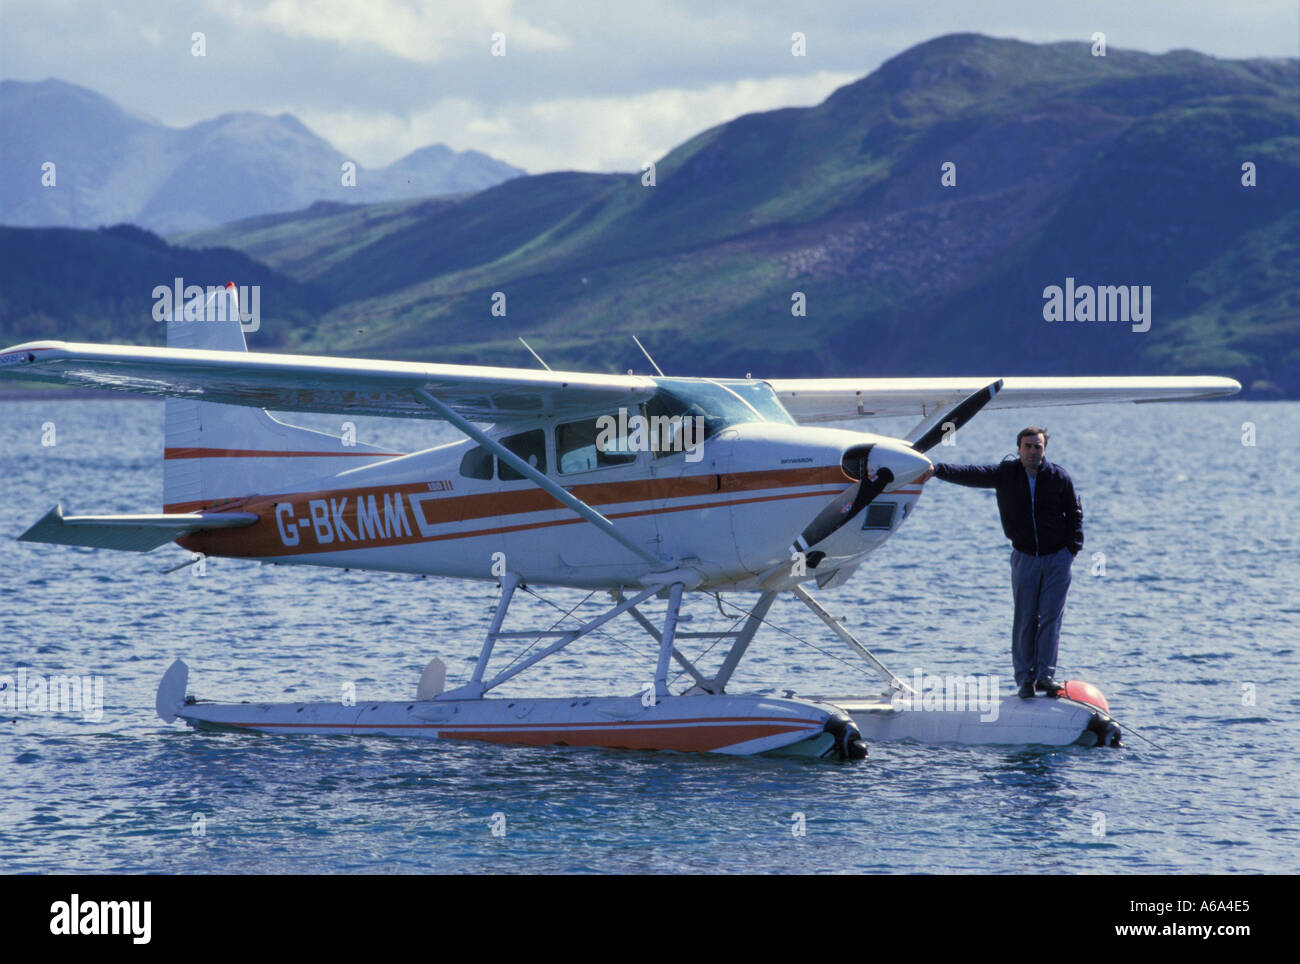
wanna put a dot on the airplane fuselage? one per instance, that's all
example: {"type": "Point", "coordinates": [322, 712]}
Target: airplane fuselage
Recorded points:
{"type": "Point", "coordinates": [729, 514]}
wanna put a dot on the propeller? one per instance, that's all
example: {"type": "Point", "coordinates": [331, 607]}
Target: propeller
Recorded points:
{"type": "Point", "coordinates": [959, 415]}
{"type": "Point", "coordinates": [903, 455]}
{"type": "Point", "coordinates": [844, 509]}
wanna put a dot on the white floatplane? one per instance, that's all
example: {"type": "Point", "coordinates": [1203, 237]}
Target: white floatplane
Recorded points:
{"type": "Point", "coordinates": [637, 485]}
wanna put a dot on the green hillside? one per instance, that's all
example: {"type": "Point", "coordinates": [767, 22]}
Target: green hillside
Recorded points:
{"type": "Point", "coordinates": [1116, 170]}
{"type": "Point", "coordinates": [80, 285]}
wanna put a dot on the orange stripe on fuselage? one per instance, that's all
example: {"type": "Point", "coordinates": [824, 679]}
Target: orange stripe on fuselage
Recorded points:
{"type": "Point", "coordinates": [533, 499]}
{"type": "Point", "coordinates": [264, 538]}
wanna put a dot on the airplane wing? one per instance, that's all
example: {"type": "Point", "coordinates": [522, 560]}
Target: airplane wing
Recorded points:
{"type": "Point", "coordinates": [459, 394]}
{"type": "Point", "coordinates": [841, 399]}
{"type": "Point", "coordinates": [314, 383]}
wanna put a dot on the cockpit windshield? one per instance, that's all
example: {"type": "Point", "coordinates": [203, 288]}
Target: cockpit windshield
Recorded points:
{"type": "Point", "coordinates": [720, 402]}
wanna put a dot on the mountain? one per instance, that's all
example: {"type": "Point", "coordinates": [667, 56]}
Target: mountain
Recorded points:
{"type": "Point", "coordinates": [111, 166]}
{"type": "Point", "coordinates": [435, 170]}
{"type": "Point", "coordinates": [1116, 170]}
{"type": "Point", "coordinates": [80, 285]}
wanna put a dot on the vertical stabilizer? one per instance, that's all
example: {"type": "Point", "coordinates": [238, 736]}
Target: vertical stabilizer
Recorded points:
{"type": "Point", "coordinates": [216, 453]}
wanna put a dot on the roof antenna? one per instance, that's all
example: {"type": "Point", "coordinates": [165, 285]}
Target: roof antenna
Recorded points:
{"type": "Point", "coordinates": [535, 355]}
{"type": "Point", "coordinates": [647, 354]}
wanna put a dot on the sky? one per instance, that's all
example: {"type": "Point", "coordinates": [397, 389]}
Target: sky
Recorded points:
{"type": "Point", "coordinates": [581, 85]}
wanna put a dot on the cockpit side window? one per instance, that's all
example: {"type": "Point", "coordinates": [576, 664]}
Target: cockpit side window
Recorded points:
{"type": "Point", "coordinates": [529, 446]}
{"type": "Point", "coordinates": [593, 443]}
{"type": "Point", "coordinates": [665, 414]}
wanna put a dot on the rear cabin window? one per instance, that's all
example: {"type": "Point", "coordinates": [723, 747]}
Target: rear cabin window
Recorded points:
{"type": "Point", "coordinates": [529, 446]}
{"type": "Point", "coordinates": [593, 443]}
{"type": "Point", "coordinates": [477, 464]}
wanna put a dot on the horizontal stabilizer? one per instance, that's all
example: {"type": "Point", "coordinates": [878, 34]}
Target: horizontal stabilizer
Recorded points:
{"type": "Point", "coordinates": [135, 533]}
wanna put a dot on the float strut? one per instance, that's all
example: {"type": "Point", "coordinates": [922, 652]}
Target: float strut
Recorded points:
{"type": "Point", "coordinates": [666, 644]}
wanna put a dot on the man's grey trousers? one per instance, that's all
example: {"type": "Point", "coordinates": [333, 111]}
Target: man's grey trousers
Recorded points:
{"type": "Point", "coordinates": [1038, 585]}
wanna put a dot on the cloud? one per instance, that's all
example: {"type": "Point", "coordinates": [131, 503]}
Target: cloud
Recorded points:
{"type": "Point", "coordinates": [584, 85]}
{"type": "Point", "coordinates": [413, 31]}
{"type": "Point", "coordinates": [600, 133]}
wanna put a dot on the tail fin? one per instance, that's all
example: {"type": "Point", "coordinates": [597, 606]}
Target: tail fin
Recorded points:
{"type": "Point", "coordinates": [217, 453]}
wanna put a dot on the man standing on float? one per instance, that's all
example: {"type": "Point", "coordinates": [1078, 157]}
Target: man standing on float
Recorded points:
{"type": "Point", "coordinates": [1043, 518]}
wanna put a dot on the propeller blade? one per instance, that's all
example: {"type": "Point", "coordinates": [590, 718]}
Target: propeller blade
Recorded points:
{"type": "Point", "coordinates": [842, 511]}
{"type": "Point", "coordinates": [958, 416]}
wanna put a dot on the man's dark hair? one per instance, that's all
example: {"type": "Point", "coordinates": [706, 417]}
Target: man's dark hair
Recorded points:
{"type": "Point", "coordinates": [1032, 430]}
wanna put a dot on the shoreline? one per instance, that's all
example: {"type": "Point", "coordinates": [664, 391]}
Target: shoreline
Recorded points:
{"type": "Point", "coordinates": [30, 394]}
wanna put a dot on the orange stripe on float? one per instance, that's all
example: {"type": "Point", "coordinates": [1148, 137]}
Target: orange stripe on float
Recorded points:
{"type": "Point", "coordinates": [615, 724]}
{"type": "Point", "coordinates": [697, 736]}
{"type": "Point", "coordinates": [199, 453]}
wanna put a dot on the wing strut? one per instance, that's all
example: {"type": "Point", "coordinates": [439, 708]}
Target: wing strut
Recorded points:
{"type": "Point", "coordinates": [838, 628]}
{"type": "Point", "coordinates": [548, 485]}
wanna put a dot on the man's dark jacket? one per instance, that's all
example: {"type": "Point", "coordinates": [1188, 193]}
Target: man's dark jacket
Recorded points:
{"type": "Point", "coordinates": [1054, 521]}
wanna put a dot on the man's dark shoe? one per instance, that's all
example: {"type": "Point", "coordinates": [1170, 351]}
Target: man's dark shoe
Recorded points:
{"type": "Point", "coordinates": [1049, 687]}
{"type": "Point", "coordinates": [1026, 692]}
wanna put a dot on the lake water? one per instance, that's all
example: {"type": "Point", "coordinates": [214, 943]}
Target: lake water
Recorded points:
{"type": "Point", "coordinates": [1192, 631]}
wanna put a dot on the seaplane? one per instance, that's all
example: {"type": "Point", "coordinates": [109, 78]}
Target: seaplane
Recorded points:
{"type": "Point", "coordinates": [638, 486]}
